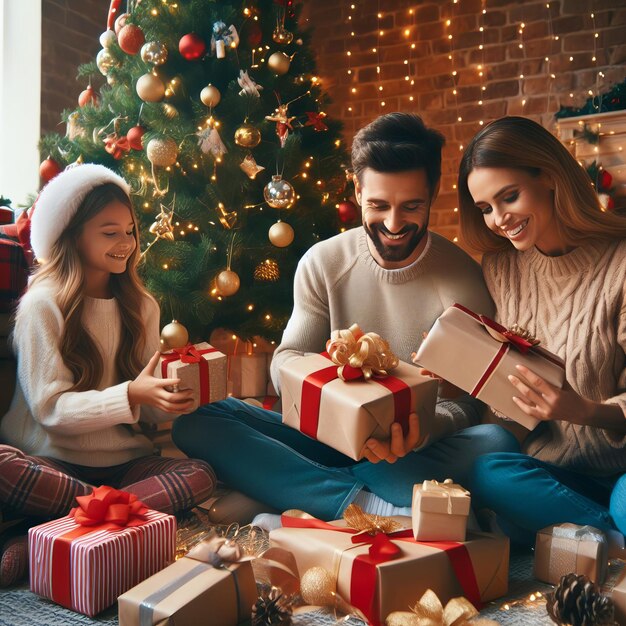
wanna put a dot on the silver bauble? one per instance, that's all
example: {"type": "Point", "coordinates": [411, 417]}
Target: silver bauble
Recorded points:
{"type": "Point", "coordinates": [162, 151]}
{"type": "Point", "coordinates": [108, 38]}
{"type": "Point", "coordinates": [154, 52]}
{"type": "Point", "coordinates": [279, 194]}
{"type": "Point", "coordinates": [105, 61]}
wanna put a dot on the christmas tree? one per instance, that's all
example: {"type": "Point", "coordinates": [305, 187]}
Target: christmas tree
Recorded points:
{"type": "Point", "coordinates": [213, 113]}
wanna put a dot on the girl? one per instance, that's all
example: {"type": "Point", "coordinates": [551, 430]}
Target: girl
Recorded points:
{"type": "Point", "coordinates": [83, 332]}
{"type": "Point", "coordinates": [556, 265]}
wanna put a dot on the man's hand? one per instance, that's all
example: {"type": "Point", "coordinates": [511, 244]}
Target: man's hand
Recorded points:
{"type": "Point", "coordinates": [399, 446]}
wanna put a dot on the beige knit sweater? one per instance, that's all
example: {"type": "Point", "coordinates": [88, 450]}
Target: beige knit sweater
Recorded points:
{"type": "Point", "coordinates": [576, 305]}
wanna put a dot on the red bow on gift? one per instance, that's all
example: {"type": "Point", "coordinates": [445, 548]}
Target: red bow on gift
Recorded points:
{"type": "Point", "coordinates": [316, 120]}
{"type": "Point", "coordinates": [190, 354]}
{"type": "Point", "coordinates": [116, 146]}
{"type": "Point", "coordinates": [107, 505]}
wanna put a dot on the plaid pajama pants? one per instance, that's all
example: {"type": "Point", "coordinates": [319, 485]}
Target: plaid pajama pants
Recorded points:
{"type": "Point", "coordinates": [46, 488]}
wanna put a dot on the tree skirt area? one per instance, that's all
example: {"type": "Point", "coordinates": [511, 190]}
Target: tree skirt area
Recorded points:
{"type": "Point", "coordinates": [19, 607]}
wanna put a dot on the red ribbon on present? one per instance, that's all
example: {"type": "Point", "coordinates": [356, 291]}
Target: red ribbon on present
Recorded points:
{"type": "Point", "coordinates": [191, 354]}
{"type": "Point", "coordinates": [104, 509]}
{"type": "Point", "coordinates": [116, 146]}
{"type": "Point", "coordinates": [363, 579]}
{"type": "Point", "coordinates": [312, 394]}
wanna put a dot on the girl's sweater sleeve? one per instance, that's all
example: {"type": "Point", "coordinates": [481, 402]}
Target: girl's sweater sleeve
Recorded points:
{"type": "Point", "coordinates": [45, 380]}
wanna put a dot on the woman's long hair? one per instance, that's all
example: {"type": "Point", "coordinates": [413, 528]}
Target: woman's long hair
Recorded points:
{"type": "Point", "coordinates": [65, 271]}
{"type": "Point", "coordinates": [520, 143]}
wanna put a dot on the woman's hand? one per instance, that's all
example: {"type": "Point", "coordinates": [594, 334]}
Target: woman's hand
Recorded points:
{"type": "Point", "coordinates": [376, 451]}
{"type": "Point", "coordinates": [446, 389]}
{"type": "Point", "coordinates": [149, 390]}
{"type": "Point", "coordinates": [539, 399]}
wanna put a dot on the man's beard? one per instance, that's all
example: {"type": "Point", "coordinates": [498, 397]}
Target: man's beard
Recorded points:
{"type": "Point", "coordinates": [398, 252]}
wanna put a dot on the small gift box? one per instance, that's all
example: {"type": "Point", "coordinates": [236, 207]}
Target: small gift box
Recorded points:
{"type": "Point", "coordinates": [111, 542]}
{"type": "Point", "coordinates": [477, 354]}
{"type": "Point", "coordinates": [440, 511]}
{"type": "Point", "coordinates": [247, 375]}
{"type": "Point", "coordinates": [345, 396]}
{"type": "Point", "coordinates": [200, 367]}
{"type": "Point", "coordinates": [212, 585]}
{"type": "Point", "coordinates": [385, 572]}
{"type": "Point", "coordinates": [566, 548]}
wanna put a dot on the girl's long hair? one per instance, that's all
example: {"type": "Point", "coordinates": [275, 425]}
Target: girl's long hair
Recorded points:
{"type": "Point", "coordinates": [520, 143]}
{"type": "Point", "coordinates": [65, 272]}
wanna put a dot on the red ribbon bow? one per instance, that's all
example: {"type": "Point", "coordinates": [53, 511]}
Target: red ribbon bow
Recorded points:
{"type": "Point", "coordinates": [117, 146]}
{"type": "Point", "coordinates": [517, 341]}
{"type": "Point", "coordinates": [316, 120]}
{"type": "Point", "coordinates": [105, 505]}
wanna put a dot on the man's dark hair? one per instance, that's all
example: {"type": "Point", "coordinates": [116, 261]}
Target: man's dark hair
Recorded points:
{"type": "Point", "coordinates": [398, 142]}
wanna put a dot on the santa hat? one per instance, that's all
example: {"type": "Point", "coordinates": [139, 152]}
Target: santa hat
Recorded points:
{"type": "Point", "coordinates": [59, 200]}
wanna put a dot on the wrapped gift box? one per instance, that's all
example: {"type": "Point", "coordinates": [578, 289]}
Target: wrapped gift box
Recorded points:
{"type": "Point", "coordinates": [477, 569]}
{"type": "Point", "coordinates": [86, 568]}
{"type": "Point", "coordinates": [200, 367]}
{"type": "Point", "coordinates": [461, 348]}
{"type": "Point", "coordinates": [197, 589]}
{"type": "Point", "coordinates": [344, 415]}
{"type": "Point", "coordinates": [247, 375]}
{"type": "Point", "coordinates": [440, 511]}
{"type": "Point", "coordinates": [617, 591]}
{"type": "Point", "coordinates": [566, 548]}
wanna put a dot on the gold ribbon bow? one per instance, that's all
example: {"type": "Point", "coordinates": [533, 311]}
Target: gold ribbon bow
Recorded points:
{"type": "Point", "coordinates": [447, 489]}
{"type": "Point", "coordinates": [358, 519]}
{"type": "Point", "coordinates": [430, 612]}
{"type": "Point", "coordinates": [352, 349]}
{"type": "Point", "coordinates": [216, 551]}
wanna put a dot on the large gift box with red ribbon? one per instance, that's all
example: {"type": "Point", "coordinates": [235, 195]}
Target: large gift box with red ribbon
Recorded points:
{"type": "Point", "coordinates": [477, 354]}
{"type": "Point", "coordinates": [200, 367]}
{"type": "Point", "coordinates": [382, 573]}
{"type": "Point", "coordinates": [346, 395]}
{"type": "Point", "coordinates": [212, 585]}
{"type": "Point", "coordinates": [107, 545]}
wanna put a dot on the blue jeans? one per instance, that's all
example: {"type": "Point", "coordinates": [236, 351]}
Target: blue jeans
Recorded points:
{"type": "Point", "coordinates": [528, 494]}
{"type": "Point", "coordinates": [253, 452]}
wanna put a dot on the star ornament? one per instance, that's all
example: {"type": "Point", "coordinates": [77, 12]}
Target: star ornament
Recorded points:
{"type": "Point", "coordinates": [316, 120]}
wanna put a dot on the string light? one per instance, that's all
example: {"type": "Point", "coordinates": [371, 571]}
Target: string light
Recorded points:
{"type": "Point", "coordinates": [454, 73]}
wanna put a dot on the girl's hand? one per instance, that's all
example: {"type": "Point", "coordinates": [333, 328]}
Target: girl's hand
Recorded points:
{"type": "Point", "coordinates": [149, 390]}
{"type": "Point", "coordinates": [399, 446]}
{"type": "Point", "coordinates": [539, 399]}
{"type": "Point", "coordinates": [446, 389]}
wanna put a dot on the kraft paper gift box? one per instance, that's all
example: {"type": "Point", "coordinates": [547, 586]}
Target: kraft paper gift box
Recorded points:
{"type": "Point", "coordinates": [204, 587]}
{"type": "Point", "coordinates": [565, 548]}
{"type": "Point", "coordinates": [477, 354]}
{"type": "Point", "coordinates": [344, 415]}
{"type": "Point", "coordinates": [477, 569]}
{"type": "Point", "coordinates": [86, 567]}
{"type": "Point", "coordinates": [440, 511]}
{"type": "Point", "coordinates": [200, 367]}
{"type": "Point", "coordinates": [247, 375]}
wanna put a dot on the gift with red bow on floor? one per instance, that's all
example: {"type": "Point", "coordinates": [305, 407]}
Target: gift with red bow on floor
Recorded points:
{"type": "Point", "coordinates": [105, 546]}
{"type": "Point", "coordinates": [200, 367]}
{"type": "Point", "coordinates": [477, 354]}
{"type": "Point", "coordinates": [375, 564]}
{"type": "Point", "coordinates": [16, 258]}
{"type": "Point", "coordinates": [353, 391]}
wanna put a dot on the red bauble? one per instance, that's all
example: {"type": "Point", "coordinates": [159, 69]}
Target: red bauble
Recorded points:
{"type": "Point", "coordinates": [135, 137]}
{"type": "Point", "coordinates": [348, 211]}
{"type": "Point", "coordinates": [88, 96]}
{"type": "Point", "coordinates": [255, 34]}
{"type": "Point", "coordinates": [49, 169]}
{"type": "Point", "coordinates": [191, 46]}
{"type": "Point", "coordinates": [606, 180]}
{"type": "Point", "coordinates": [131, 38]}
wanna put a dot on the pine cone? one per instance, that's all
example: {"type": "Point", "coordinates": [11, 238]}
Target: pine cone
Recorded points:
{"type": "Point", "coordinates": [577, 601]}
{"type": "Point", "coordinates": [272, 608]}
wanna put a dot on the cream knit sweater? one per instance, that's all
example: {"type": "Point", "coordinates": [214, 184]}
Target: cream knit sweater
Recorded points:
{"type": "Point", "coordinates": [576, 305]}
{"type": "Point", "coordinates": [83, 427]}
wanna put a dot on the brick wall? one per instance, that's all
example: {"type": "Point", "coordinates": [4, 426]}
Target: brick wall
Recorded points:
{"type": "Point", "coordinates": [563, 32]}
{"type": "Point", "coordinates": [70, 31]}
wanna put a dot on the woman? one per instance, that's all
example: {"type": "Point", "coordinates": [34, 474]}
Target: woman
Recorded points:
{"type": "Point", "coordinates": [556, 265]}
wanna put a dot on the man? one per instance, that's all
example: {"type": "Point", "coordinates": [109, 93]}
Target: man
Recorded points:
{"type": "Point", "coordinates": [394, 277]}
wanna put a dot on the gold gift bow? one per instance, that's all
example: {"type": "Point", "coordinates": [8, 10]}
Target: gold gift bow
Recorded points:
{"type": "Point", "coordinates": [368, 352]}
{"type": "Point", "coordinates": [429, 611]}
{"type": "Point", "coordinates": [446, 488]}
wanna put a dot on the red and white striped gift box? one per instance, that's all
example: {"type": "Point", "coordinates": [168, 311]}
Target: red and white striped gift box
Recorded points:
{"type": "Point", "coordinates": [86, 568]}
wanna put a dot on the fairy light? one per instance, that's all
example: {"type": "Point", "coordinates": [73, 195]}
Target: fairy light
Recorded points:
{"type": "Point", "coordinates": [376, 51]}
{"type": "Point", "coordinates": [594, 58]}
{"type": "Point", "coordinates": [453, 73]}
{"type": "Point", "coordinates": [350, 72]}
{"type": "Point", "coordinates": [521, 45]}
{"type": "Point", "coordinates": [550, 74]}
{"type": "Point", "coordinates": [482, 67]}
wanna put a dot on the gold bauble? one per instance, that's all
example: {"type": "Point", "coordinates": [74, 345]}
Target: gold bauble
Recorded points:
{"type": "Point", "coordinates": [227, 283]}
{"type": "Point", "coordinates": [317, 587]}
{"type": "Point", "coordinates": [105, 61]}
{"type": "Point", "coordinates": [173, 335]}
{"type": "Point", "coordinates": [162, 151]}
{"type": "Point", "coordinates": [210, 96]}
{"type": "Point", "coordinates": [279, 194]}
{"type": "Point", "coordinates": [282, 36]}
{"type": "Point", "coordinates": [154, 52]}
{"type": "Point", "coordinates": [267, 271]}
{"type": "Point", "coordinates": [281, 234]}
{"type": "Point", "coordinates": [247, 136]}
{"type": "Point", "coordinates": [279, 63]}
{"type": "Point", "coordinates": [150, 88]}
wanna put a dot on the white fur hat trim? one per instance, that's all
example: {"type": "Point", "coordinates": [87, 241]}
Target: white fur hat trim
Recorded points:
{"type": "Point", "coordinates": [59, 200]}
